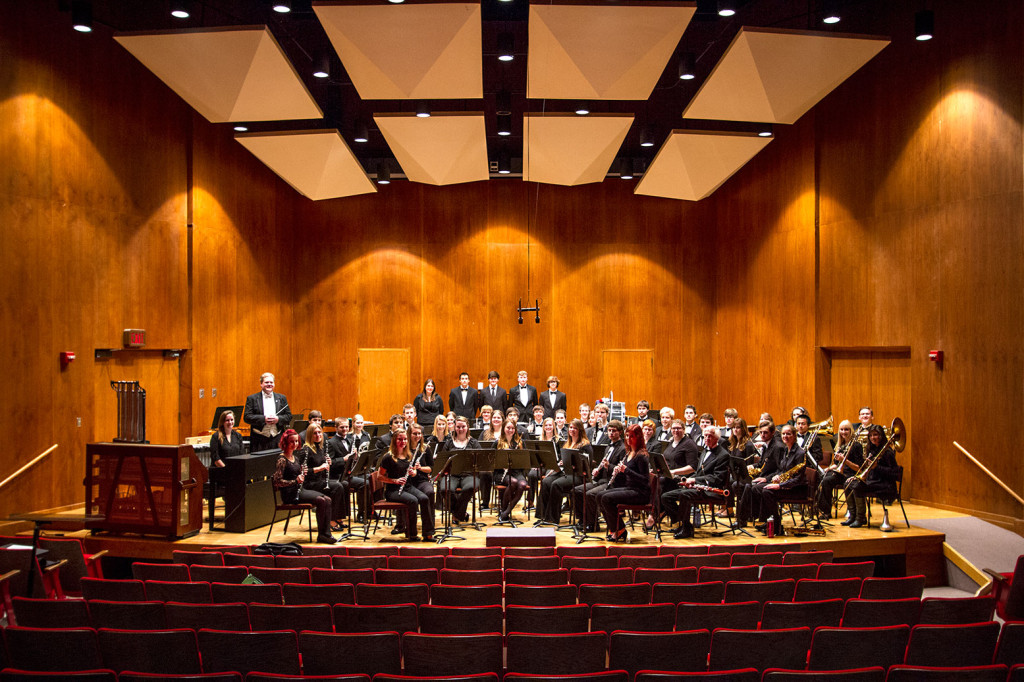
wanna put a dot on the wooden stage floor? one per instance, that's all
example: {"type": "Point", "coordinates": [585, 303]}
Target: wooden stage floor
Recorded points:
{"type": "Point", "coordinates": [908, 551]}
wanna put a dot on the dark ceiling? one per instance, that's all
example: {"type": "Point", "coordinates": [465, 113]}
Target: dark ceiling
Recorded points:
{"type": "Point", "coordinates": [303, 40]}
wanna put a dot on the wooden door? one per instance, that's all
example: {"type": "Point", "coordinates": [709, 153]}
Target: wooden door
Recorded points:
{"type": "Point", "coordinates": [158, 376]}
{"type": "Point", "coordinates": [881, 381]}
{"type": "Point", "coordinates": [382, 383]}
{"type": "Point", "coordinates": [629, 375]}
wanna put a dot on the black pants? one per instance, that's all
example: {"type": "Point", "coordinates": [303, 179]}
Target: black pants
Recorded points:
{"type": "Point", "coordinates": [486, 479]}
{"type": "Point", "coordinates": [321, 505]}
{"type": "Point", "coordinates": [533, 478]}
{"type": "Point", "coordinates": [586, 511]}
{"type": "Point", "coordinates": [259, 442]}
{"type": "Point", "coordinates": [553, 490]}
{"type": "Point", "coordinates": [829, 483]}
{"type": "Point", "coordinates": [460, 489]}
{"type": "Point", "coordinates": [610, 498]}
{"type": "Point", "coordinates": [678, 504]}
{"type": "Point", "coordinates": [412, 497]}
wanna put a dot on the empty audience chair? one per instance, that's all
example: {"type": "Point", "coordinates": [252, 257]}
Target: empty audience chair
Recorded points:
{"type": "Point", "coordinates": [100, 675]}
{"type": "Point", "coordinates": [430, 550]}
{"type": "Point", "coordinates": [561, 654]}
{"type": "Point", "coordinates": [939, 610]}
{"type": "Point", "coordinates": [689, 550]}
{"type": "Point", "coordinates": [1008, 590]}
{"type": "Point", "coordinates": [529, 551]}
{"type": "Point", "coordinates": [731, 549]}
{"type": "Point", "coordinates": [762, 591]}
{"type": "Point", "coordinates": [248, 560]}
{"type": "Point", "coordinates": [605, 676]}
{"type": "Point", "coordinates": [277, 677]}
{"type": "Point", "coordinates": [229, 593]}
{"type": "Point", "coordinates": [188, 592]}
{"type": "Point", "coordinates": [791, 571]}
{"type": "Point", "coordinates": [150, 651]}
{"type": "Point", "coordinates": [169, 572]}
{"type": "Point", "coordinates": [374, 561]}
{"type": "Point", "coordinates": [490, 562]}
{"type": "Point", "coordinates": [113, 590]}
{"type": "Point", "coordinates": [911, 586]}
{"type": "Point", "coordinates": [952, 645]}
{"type": "Point", "coordinates": [244, 652]}
{"type": "Point", "coordinates": [316, 617]}
{"type": "Point", "coordinates": [218, 574]}
{"type": "Point", "coordinates": [127, 615]}
{"type": "Point", "coordinates": [640, 561]}
{"type": "Point", "coordinates": [461, 620]}
{"type": "Point", "coordinates": [874, 674]}
{"type": "Point", "coordinates": [676, 651]}
{"type": "Point", "coordinates": [451, 576]}
{"type": "Point", "coordinates": [759, 649]}
{"type": "Point", "coordinates": [846, 648]}
{"type": "Point", "coordinates": [726, 574]}
{"type": "Point", "coordinates": [795, 614]}
{"type": "Point", "coordinates": [571, 562]}
{"type": "Point", "coordinates": [51, 613]}
{"type": "Point", "coordinates": [465, 595]}
{"type": "Point", "coordinates": [703, 593]}
{"type": "Point", "coordinates": [56, 649]}
{"type": "Point", "coordinates": [637, 618]}
{"type": "Point", "coordinates": [329, 576]}
{"type": "Point", "coordinates": [214, 616]}
{"type": "Point", "coordinates": [547, 619]}
{"type": "Point", "coordinates": [721, 559]}
{"type": "Point", "coordinates": [373, 550]}
{"type": "Point", "coordinates": [400, 618]}
{"type": "Point", "coordinates": [854, 569]}
{"type": "Point", "coordinates": [555, 576]}
{"type": "Point", "coordinates": [866, 613]}
{"type": "Point", "coordinates": [405, 563]}
{"type": "Point", "coordinates": [297, 594]}
{"type": "Point", "coordinates": [581, 550]}
{"type": "Point", "coordinates": [418, 593]}
{"type": "Point", "coordinates": [224, 549]}
{"type": "Point", "coordinates": [632, 550]}
{"type": "Point", "coordinates": [1010, 648]}
{"type": "Point", "coordinates": [309, 561]}
{"type": "Point", "coordinates": [600, 576]}
{"type": "Point", "coordinates": [818, 556]}
{"type": "Point", "coordinates": [633, 593]}
{"type": "Point", "coordinates": [816, 590]}
{"type": "Point", "coordinates": [734, 616]}
{"type": "Point", "coordinates": [530, 563]}
{"type": "Point", "coordinates": [916, 673]}
{"type": "Point", "coordinates": [756, 558]}
{"type": "Point", "coordinates": [665, 575]}
{"type": "Point", "coordinates": [737, 675]}
{"type": "Point", "coordinates": [540, 595]}
{"type": "Point", "coordinates": [452, 655]}
{"type": "Point", "coordinates": [476, 551]}
{"type": "Point", "coordinates": [347, 653]}
{"type": "Point", "coordinates": [280, 576]}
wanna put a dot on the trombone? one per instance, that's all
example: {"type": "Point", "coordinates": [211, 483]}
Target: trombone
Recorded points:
{"type": "Point", "coordinates": [898, 441]}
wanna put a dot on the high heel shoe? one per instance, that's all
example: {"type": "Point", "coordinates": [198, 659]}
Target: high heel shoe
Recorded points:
{"type": "Point", "coordinates": [650, 523]}
{"type": "Point", "coordinates": [620, 536]}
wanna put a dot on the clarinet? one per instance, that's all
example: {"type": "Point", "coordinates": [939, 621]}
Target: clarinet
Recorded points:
{"type": "Point", "coordinates": [408, 473]}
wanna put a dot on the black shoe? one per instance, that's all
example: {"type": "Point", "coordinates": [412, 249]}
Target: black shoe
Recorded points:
{"type": "Point", "coordinates": [428, 537]}
{"type": "Point", "coordinates": [827, 516]}
{"type": "Point", "coordinates": [761, 528]}
{"type": "Point", "coordinates": [848, 522]}
{"type": "Point", "coordinates": [683, 533]}
{"type": "Point", "coordinates": [504, 516]}
{"type": "Point", "coordinates": [397, 531]}
{"type": "Point", "coordinates": [325, 539]}
{"type": "Point", "coordinates": [857, 523]}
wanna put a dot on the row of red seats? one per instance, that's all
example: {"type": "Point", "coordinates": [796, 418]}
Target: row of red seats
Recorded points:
{"type": "Point", "coordinates": [562, 550]}
{"type": "Point", "coordinates": [434, 618]}
{"type": "Point", "coordinates": [316, 653]}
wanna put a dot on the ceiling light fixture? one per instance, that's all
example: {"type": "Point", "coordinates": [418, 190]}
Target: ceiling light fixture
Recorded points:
{"type": "Point", "coordinates": [647, 137]}
{"type": "Point", "coordinates": [726, 8]}
{"type": "Point", "coordinates": [503, 102]}
{"type": "Point", "coordinates": [422, 110]}
{"type": "Point", "coordinates": [362, 135]}
{"type": "Point", "coordinates": [831, 12]}
{"type": "Point", "coordinates": [506, 47]}
{"type": "Point", "coordinates": [687, 64]}
{"type": "Point", "coordinates": [583, 108]}
{"type": "Point", "coordinates": [504, 125]}
{"type": "Point", "coordinates": [81, 16]}
{"type": "Point", "coordinates": [322, 66]}
{"type": "Point", "coordinates": [504, 163]}
{"type": "Point", "coordinates": [283, 6]}
{"type": "Point", "coordinates": [766, 131]}
{"type": "Point", "coordinates": [625, 168]}
{"type": "Point", "coordinates": [396, 2]}
{"type": "Point", "coordinates": [383, 174]}
{"type": "Point", "coordinates": [179, 9]}
{"type": "Point", "coordinates": [241, 128]}
{"type": "Point", "coordinates": [924, 25]}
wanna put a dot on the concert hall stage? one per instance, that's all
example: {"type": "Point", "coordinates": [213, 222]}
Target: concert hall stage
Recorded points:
{"type": "Point", "coordinates": [905, 551]}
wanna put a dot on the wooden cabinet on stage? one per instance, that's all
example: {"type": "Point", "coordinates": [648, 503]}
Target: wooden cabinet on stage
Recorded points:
{"type": "Point", "coordinates": [145, 489]}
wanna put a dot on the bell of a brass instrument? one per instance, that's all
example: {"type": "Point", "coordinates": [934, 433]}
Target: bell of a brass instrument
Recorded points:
{"type": "Point", "coordinates": [886, 527]}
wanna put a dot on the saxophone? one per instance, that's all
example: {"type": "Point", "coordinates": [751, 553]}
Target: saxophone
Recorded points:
{"type": "Point", "coordinates": [790, 473]}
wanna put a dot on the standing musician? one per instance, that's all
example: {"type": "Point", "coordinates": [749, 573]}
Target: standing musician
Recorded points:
{"type": "Point", "coordinates": [428, 404]}
{"type": "Point", "coordinates": [494, 395]}
{"type": "Point", "coordinates": [462, 399]}
{"type": "Point", "coordinates": [598, 433]}
{"type": "Point", "coordinates": [711, 474]}
{"type": "Point", "coordinates": [225, 441]}
{"type": "Point", "coordinates": [846, 460]}
{"type": "Point", "coordinates": [785, 471]}
{"type": "Point", "coordinates": [462, 486]}
{"type": "Point", "coordinates": [514, 480]}
{"type": "Point", "coordinates": [395, 466]}
{"type": "Point", "coordinates": [523, 396]}
{"type": "Point", "coordinates": [318, 467]}
{"type": "Point", "coordinates": [555, 485]}
{"type": "Point", "coordinates": [629, 483]}
{"type": "Point", "coordinates": [599, 477]}
{"type": "Point", "coordinates": [881, 479]}
{"type": "Point", "coordinates": [552, 399]}
{"type": "Point", "coordinates": [491, 432]}
{"type": "Point", "coordinates": [267, 414]}
{"type": "Point", "coordinates": [288, 479]}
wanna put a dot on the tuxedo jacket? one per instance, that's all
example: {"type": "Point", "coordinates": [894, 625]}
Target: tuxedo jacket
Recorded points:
{"type": "Point", "coordinates": [598, 440]}
{"type": "Point", "coordinates": [693, 430]}
{"type": "Point", "coordinates": [816, 452]}
{"type": "Point", "coordinates": [497, 401]}
{"type": "Point", "coordinates": [615, 454]}
{"type": "Point", "coordinates": [463, 408]}
{"type": "Point", "coordinates": [525, 411]}
{"type": "Point", "coordinates": [337, 449]}
{"type": "Point", "coordinates": [713, 469]}
{"type": "Point", "coordinates": [255, 418]}
{"type": "Point", "coordinates": [545, 401]}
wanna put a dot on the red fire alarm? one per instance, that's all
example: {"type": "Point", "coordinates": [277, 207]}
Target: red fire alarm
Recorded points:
{"type": "Point", "coordinates": [935, 356]}
{"type": "Point", "coordinates": [66, 358]}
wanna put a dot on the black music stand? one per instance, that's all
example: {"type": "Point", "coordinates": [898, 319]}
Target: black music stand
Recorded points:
{"type": "Point", "coordinates": [543, 455]}
{"type": "Point", "coordinates": [741, 476]}
{"type": "Point", "coordinates": [663, 470]}
{"type": "Point", "coordinates": [362, 467]}
{"type": "Point", "coordinates": [513, 459]}
{"type": "Point", "coordinates": [447, 532]}
{"type": "Point", "coordinates": [567, 460]}
{"type": "Point", "coordinates": [480, 459]}
{"type": "Point", "coordinates": [581, 465]}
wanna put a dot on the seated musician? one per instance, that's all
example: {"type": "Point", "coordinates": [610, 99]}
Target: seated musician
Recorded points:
{"type": "Point", "coordinates": [784, 471]}
{"type": "Point", "coordinates": [514, 480]}
{"type": "Point", "coordinates": [561, 427]}
{"type": "Point", "coordinates": [440, 434]}
{"type": "Point", "coordinates": [708, 484]}
{"type": "Point", "coordinates": [846, 461]}
{"type": "Point", "coordinates": [725, 432]}
{"type": "Point", "coordinates": [866, 418]}
{"type": "Point", "coordinates": [419, 447]}
{"type": "Point", "coordinates": [315, 456]}
{"type": "Point", "coordinates": [803, 435]}
{"type": "Point", "coordinates": [491, 432]}
{"type": "Point", "coordinates": [358, 435]}
{"type": "Point", "coordinates": [681, 456]}
{"type": "Point", "coordinates": [396, 424]}
{"type": "Point", "coordinates": [288, 479]}
{"type": "Point", "coordinates": [629, 484]}
{"type": "Point", "coordinates": [315, 417]}
{"type": "Point", "coordinates": [513, 413]}
{"type": "Point", "coordinates": [460, 487]}
{"type": "Point", "coordinates": [586, 507]}
{"type": "Point", "coordinates": [598, 434]}
{"type": "Point", "coordinates": [555, 485]}
{"type": "Point", "coordinates": [484, 420]}
{"type": "Point", "coordinates": [663, 432]}
{"type": "Point", "coordinates": [651, 442]}
{"type": "Point", "coordinates": [703, 422]}
{"type": "Point", "coordinates": [585, 414]}
{"type": "Point", "coordinates": [396, 465]}
{"type": "Point", "coordinates": [741, 448]}
{"type": "Point", "coordinates": [344, 454]}
{"type": "Point", "coordinates": [225, 441]}
{"type": "Point", "coordinates": [536, 474]}
{"type": "Point", "coordinates": [880, 481]}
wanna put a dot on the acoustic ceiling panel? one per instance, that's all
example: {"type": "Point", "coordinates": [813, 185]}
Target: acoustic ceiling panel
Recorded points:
{"type": "Point", "coordinates": [444, 149]}
{"type": "Point", "coordinates": [565, 149]}
{"type": "Point", "coordinates": [601, 51]}
{"type": "Point", "coordinates": [777, 75]}
{"type": "Point", "coordinates": [693, 164]}
{"type": "Point", "coordinates": [317, 163]}
{"type": "Point", "coordinates": [408, 51]}
{"type": "Point", "coordinates": [236, 74]}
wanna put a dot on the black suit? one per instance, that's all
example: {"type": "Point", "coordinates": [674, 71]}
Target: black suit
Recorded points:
{"type": "Point", "coordinates": [256, 420]}
{"type": "Point", "coordinates": [463, 408]}
{"type": "Point", "coordinates": [588, 516]}
{"type": "Point", "coordinates": [596, 438]}
{"type": "Point", "coordinates": [496, 401]}
{"type": "Point", "coordinates": [712, 470]}
{"type": "Point", "coordinates": [545, 401]}
{"type": "Point", "coordinates": [525, 410]}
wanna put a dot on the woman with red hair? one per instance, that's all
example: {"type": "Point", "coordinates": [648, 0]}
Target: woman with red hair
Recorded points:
{"type": "Point", "coordinates": [288, 479]}
{"type": "Point", "coordinates": [630, 483]}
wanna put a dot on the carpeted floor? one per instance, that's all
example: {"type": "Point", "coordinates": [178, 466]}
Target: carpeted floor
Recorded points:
{"type": "Point", "coordinates": [983, 544]}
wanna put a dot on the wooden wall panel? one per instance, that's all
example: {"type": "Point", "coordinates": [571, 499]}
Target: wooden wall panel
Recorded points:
{"type": "Point", "coordinates": [627, 376]}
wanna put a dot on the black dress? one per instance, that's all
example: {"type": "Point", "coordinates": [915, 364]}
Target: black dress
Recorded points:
{"type": "Point", "coordinates": [286, 481]}
{"type": "Point", "coordinates": [232, 446]}
{"type": "Point", "coordinates": [427, 412]}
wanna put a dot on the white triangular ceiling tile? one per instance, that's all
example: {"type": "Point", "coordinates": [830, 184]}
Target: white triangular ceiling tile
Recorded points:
{"type": "Point", "coordinates": [565, 149]}
{"type": "Point", "coordinates": [443, 149]}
